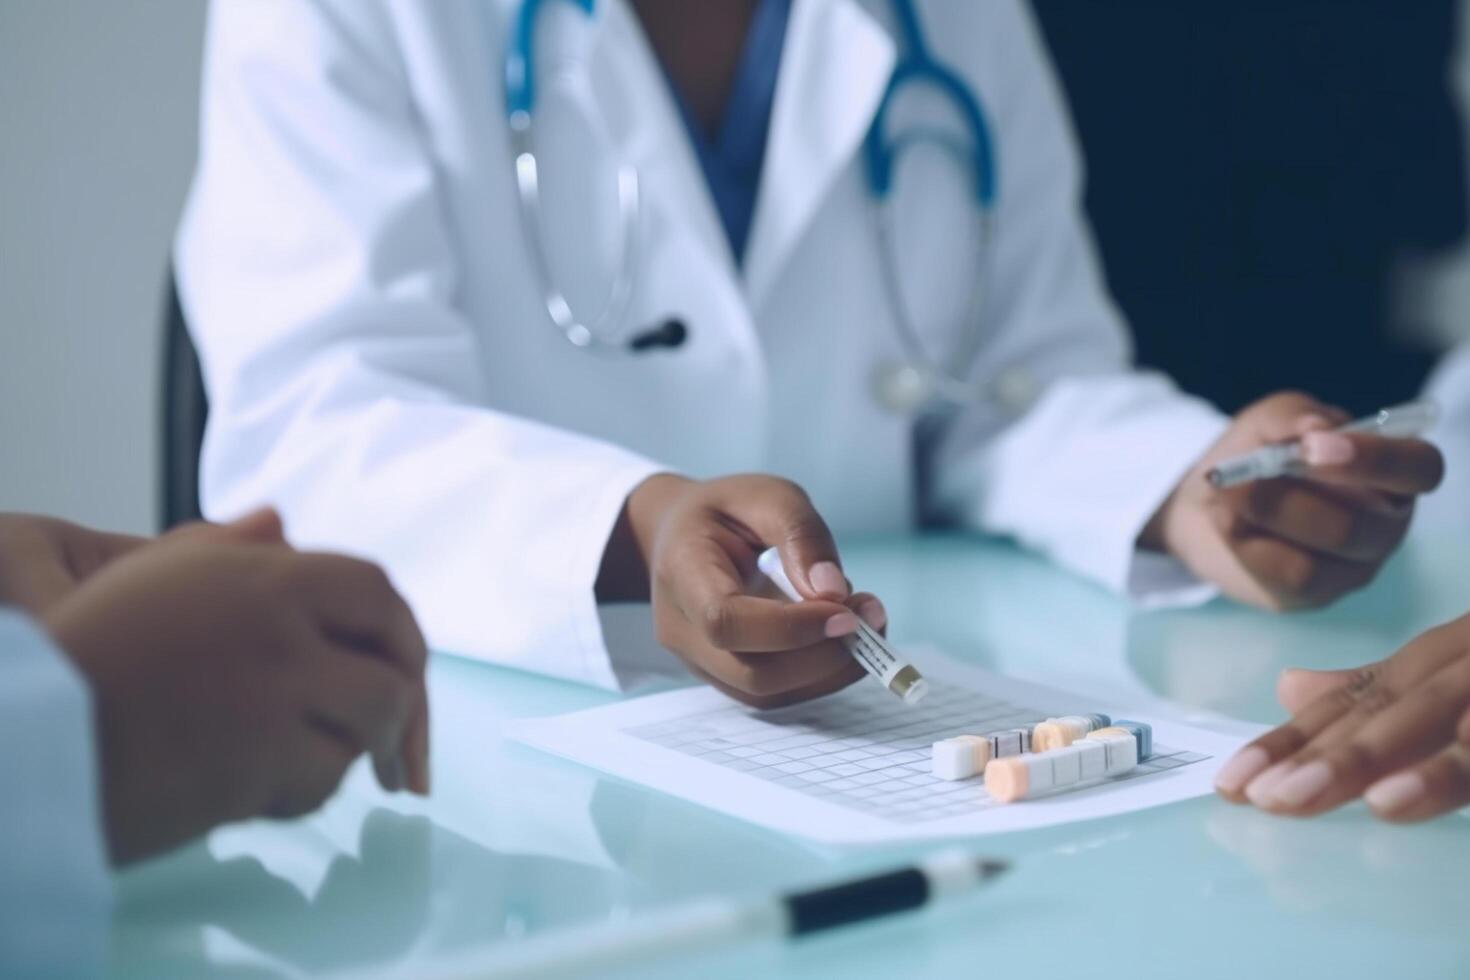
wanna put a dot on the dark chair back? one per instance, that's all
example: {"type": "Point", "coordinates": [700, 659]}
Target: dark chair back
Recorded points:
{"type": "Point", "coordinates": [185, 409]}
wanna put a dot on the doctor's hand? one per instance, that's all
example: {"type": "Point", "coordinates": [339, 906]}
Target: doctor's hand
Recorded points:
{"type": "Point", "coordinates": [233, 680]}
{"type": "Point", "coordinates": [42, 559]}
{"type": "Point", "coordinates": [1397, 732]}
{"type": "Point", "coordinates": [1296, 542]}
{"type": "Point", "coordinates": [690, 547]}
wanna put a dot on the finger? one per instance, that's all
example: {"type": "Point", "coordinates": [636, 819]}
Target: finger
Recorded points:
{"type": "Point", "coordinates": [1288, 415]}
{"type": "Point", "coordinates": [1293, 577]}
{"type": "Point", "coordinates": [836, 681]}
{"type": "Point", "coordinates": [1261, 763]}
{"type": "Point", "coordinates": [771, 693]}
{"type": "Point", "coordinates": [415, 751]}
{"type": "Point", "coordinates": [1247, 767]}
{"type": "Point", "coordinates": [313, 770]}
{"type": "Point", "coordinates": [1295, 689]}
{"type": "Point", "coordinates": [782, 516]}
{"type": "Point", "coordinates": [357, 604]}
{"type": "Point", "coordinates": [369, 704]}
{"type": "Point", "coordinates": [90, 550]}
{"type": "Point", "coordinates": [870, 609]}
{"type": "Point", "coordinates": [1436, 786]}
{"type": "Point", "coordinates": [1399, 466]}
{"type": "Point", "coordinates": [711, 596]}
{"type": "Point", "coordinates": [1389, 728]}
{"type": "Point", "coordinates": [1317, 421]}
{"type": "Point", "coordinates": [1320, 520]}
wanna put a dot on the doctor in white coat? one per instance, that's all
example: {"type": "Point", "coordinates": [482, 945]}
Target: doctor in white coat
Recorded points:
{"type": "Point", "coordinates": [416, 365]}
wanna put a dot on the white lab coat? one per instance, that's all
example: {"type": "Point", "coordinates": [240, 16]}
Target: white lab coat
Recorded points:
{"type": "Point", "coordinates": [54, 887]}
{"type": "Point", "coordinates": [381, 366]}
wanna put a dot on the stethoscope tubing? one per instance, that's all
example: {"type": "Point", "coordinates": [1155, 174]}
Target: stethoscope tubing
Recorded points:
{"type": "Point", "coordinates": [941, 377]}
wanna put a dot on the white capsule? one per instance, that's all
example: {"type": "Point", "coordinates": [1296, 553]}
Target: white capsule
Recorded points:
{"type": "Point", "coordinates": [960, 757]}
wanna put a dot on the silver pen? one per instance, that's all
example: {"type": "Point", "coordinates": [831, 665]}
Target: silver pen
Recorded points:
{"type": "Point", "coordinates": [867, 645]}
{"type": "Point", "coordinates": [1285, 458]}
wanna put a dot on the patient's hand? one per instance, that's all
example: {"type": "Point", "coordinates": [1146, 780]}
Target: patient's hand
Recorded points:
{"type": "Point", "coordinates": [42, 559]}
{"type": "Point", "coordinates": [1397, 732]}
{"type": "Point", "coordinates": [235, 679]}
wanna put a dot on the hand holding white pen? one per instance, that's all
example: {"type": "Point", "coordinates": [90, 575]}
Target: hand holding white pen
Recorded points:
{"type": "Point", "coordinates": [690, 548]}
{"type": "Point", "coordinates": [867, 645]}
{"type": "Point", "coordinates": [1306, 540]}
{"type": "Point", "coordinates": [1288, 458]}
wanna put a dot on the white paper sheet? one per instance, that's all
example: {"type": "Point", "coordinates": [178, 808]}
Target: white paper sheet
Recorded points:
{"type": "Point", "coordinates": [853, 768]}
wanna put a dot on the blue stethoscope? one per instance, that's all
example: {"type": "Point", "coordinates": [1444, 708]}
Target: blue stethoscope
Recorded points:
{"type": "Point", "coordinates": [921, 378]}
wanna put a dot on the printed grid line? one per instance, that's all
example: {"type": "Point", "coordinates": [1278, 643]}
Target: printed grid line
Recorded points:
{"type": "Point", "coordinates": [862, 749]}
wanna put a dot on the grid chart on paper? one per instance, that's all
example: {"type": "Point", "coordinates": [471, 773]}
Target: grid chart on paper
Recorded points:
{"type": "Point", "coordinates": [862, 748]}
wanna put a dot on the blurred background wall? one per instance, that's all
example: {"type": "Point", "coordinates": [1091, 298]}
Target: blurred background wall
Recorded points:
{"type": "Point", "coordinates": [1278, 187]}
{"type": "Point", "coordinates": [97, 130]}
{"type": "Point", "coordinates": [1275, 185]}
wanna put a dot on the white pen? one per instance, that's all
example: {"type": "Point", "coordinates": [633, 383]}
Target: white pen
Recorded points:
{"type": "Point", "coordinates": [1282, 459]}
{"type": "Point", "coordinates": [867, 646]}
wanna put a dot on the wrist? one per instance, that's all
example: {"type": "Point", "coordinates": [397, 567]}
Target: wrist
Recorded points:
{"type": "Point", "coordinates": [623, 575]}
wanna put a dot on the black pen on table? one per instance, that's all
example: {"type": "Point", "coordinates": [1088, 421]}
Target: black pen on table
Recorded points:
{"type": "Point", "coordinates": [705, 922]}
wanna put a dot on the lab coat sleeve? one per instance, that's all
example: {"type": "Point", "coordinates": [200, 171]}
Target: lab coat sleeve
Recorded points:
{"type": "Point", "coordinates": [54, 887]}
{"type": "Point", "coordinates": [317, 272]}
{"type": "Point", "coordinates": [1075, 449]}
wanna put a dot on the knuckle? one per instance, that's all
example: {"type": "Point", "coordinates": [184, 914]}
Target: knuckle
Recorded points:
{"type": "Point", "coordinates": [716, 622]}
{"type": "Point", "coordinates": [760, 683]}
{"type": "Point", "coordinates": [1449, 779]}
{"type": "Point", "coordinates": [1284, 740]}
{"type": "Point", "coordinates": [1296, 572]}
{"type": "Point", "coordinates": [1360, 690]}
{"type": "Point", "coordinates": [371, 578]}
{"type": "Point", "coordinates": [1341, 532]}
{"type": "Point", "coordinates": [788, 491]}
{"type": "Point", "coordinates": [1355, 759]}
{"type": "Point", "coordinates": [1376, 699]}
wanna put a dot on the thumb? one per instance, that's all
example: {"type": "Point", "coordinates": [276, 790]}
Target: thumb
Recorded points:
{"type": "Point", "coordinates": [1297, 688]}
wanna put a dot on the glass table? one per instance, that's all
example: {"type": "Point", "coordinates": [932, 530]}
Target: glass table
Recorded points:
{"type": "Point", "coordinates": [515, 843]}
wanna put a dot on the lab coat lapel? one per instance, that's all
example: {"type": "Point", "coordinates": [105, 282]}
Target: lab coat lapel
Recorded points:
{"type": "Point", "coordinates": [834, 69]}
{"type": "Point", "coordinates": [655, 135]}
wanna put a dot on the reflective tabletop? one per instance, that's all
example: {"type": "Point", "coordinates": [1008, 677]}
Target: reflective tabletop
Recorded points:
{"type": "Point", "coordinates": [515, 843]}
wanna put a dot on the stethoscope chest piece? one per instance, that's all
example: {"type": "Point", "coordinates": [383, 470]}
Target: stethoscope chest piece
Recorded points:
{"type": "Point", "coordinates": [901, 388]}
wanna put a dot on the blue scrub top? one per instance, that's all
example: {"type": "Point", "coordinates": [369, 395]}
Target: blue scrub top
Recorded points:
{"type": "Point", "coordinates": [732, 160]}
